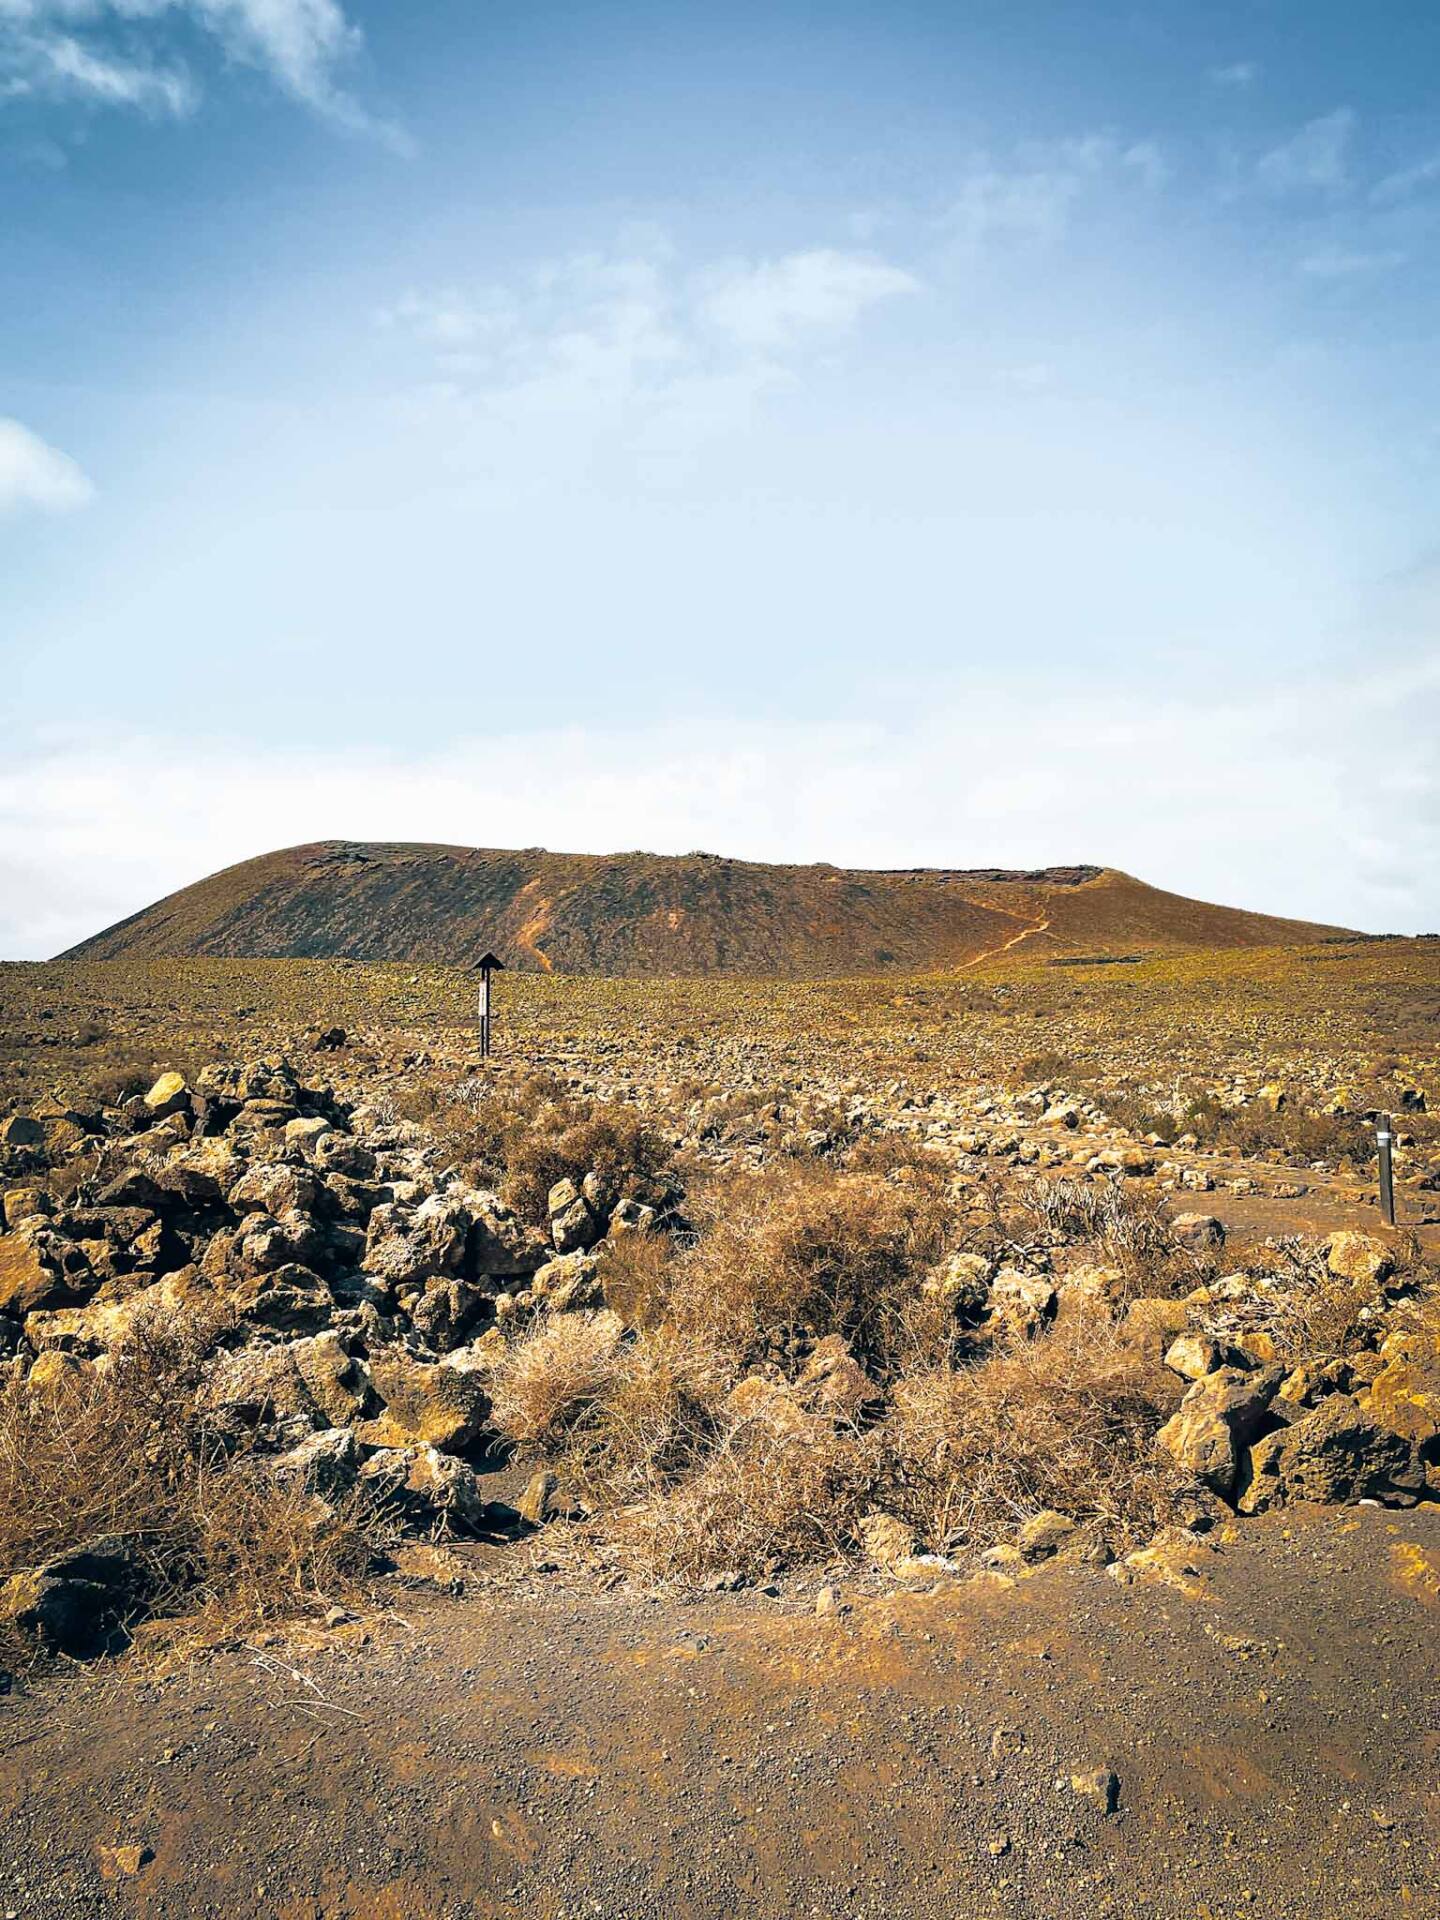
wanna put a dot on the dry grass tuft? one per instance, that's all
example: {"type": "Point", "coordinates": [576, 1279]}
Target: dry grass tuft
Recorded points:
{"type": "Point", "coordinates": [549, 1380]}
{"type": "Point", "coordinates": [523, 1136]}
{"type": "Point", "coordinates": [1066, 1422]}
{"type": "Point", "coordinates": [122, 1451]}
{"type": "Point", "coordinates": [807, 1252]}
{"type": "Point", "coordinates": [762, 1499]}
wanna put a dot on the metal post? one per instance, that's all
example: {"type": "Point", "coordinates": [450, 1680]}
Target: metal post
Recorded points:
{"type": "Point", "coordinates": [488, 963]}
{"type": "Point", "coordinates": [1384, 1138]}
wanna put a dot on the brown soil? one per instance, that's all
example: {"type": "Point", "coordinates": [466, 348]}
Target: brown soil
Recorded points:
{"type": "Point", "coordinates": [1268, 1702]}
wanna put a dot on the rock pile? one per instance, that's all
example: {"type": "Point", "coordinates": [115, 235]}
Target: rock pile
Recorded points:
{"type": "Point", "coordinates": [1363, 1424]}
{"type": "Point", "coordinates": [360, 1287]}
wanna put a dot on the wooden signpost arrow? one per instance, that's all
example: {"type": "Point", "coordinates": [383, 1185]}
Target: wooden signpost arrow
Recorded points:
{"type": "Point", "coordinates": [487, 964]}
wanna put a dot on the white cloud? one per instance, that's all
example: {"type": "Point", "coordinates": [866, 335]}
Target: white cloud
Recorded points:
{"type": "Point", "coordinates": [636, 341]}
{"type": "Point", "coordinates": [126, 56]}
{"type": "Point", "coordinates": [34, 474]}
{"type": "Point", "coordinates": [771, 304]}
{"type": "Point", "coordinates": [1239, 74]}
{"type": "Point", "coordinates": [1328, 809]}
{"type": "Point", "coordinates": [1033, 196]}
{"type": "Point", "coordinates": [61, 65]}
{"type": "Point", "coordinates": [1317, 157]}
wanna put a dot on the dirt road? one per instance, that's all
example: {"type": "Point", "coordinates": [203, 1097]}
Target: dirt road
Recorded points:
{"type": "Point", "coordinates": [1273, 1721]}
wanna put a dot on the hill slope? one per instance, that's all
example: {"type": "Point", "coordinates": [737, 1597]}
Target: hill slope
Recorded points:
{"type": "Point", "coordinates": [640, 913]}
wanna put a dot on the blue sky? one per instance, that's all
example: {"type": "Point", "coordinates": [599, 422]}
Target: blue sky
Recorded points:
{"type": "Point", "coordinates": [921, 434]}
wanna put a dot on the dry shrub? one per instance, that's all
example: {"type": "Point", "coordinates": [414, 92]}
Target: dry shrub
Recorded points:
{"type": "Point", "coordinates": [571, 1141]}
{"type": "Point", "coordinates": [123, 1450]}
{"type": "Point", "coordinates": [1065, 1421]}
{"type": "Point", "coordinates": [1125, 1228]}
{"type": "Point", "coordinates": [523, 1136]}
{"type": "Point", "coordinates": [1309, 1313]}
{"type": "Point", "coordinates": [264, 1551]}
{"type": "Point", "coordinates": [103, 1451]}
{"type": "Point", "coordinates": [117, 1077]}
{"type": "Point", "coordinates": [548, 1380]}
{"type": "Point", "coordinates": [653, 1422]}
{"type": "Point", "coordinates": [635, 1274]}
{"type": "Point", "coordinates": [810, 1251]}
{"type": "Point", "coordinates": [1291, 1130]}
{"type": "Point", "coordinates": [762, 1499]}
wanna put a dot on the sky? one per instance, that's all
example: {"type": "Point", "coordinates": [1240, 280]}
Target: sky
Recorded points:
{"type": "Point", "coordinates": [999, 432]}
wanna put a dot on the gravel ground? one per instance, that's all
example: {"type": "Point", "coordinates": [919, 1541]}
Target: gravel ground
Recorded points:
{"type": "Point", "coordinates": [1267, 1703]}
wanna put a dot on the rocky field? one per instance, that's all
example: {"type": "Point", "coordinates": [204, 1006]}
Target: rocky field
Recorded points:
{"type": "Point", "coordinates": [1004, 1376]}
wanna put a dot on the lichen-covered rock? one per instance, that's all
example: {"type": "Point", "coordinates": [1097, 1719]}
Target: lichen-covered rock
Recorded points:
{"type": "Point", "coordinates": [447, 1312]}
{"type": "Point", "coordinates": [1335, 1454]}
{"type": "Point", "coordinates": [962, 1280]}
{"type": "Point", "coordinates": [1043, 1535]}
{"type": "Point", "coordinates": [498, 1245]}
{"type": "Point", "coordinates": [574, 1225]}
{"type": "Point", "coordinates": [1151, 1326]}
{"type": "Point", "coordinates": [1359, 1257]}
{"type": "Point", "coordinates": [424, 1486]}
{"type": "Point", "coordinates": [39, 1268]}
{"type": "Point", "coordinates": [1198, 1232]}
{"type": "Point", "coordinates": [405, 1249]}
{"type": "Point", "coordinates": [270, 1078]}
{"type": "Point", "coordinates": [1221, 1416]}
{"type": "Point", "coordinates": [326, 1463]}
{"type": "Point", "coordinates": [335, 1152]}
{"type": "Point", "coordinates": [265, 1242]}
{"type": "Point", "coordinates": [1403, 1394]}
{"type": "Point", "coordinates": [439, 1404]}
{"type": "Point", "coordinates": [832, 1381]}
{"type": "Point", "coordinates": [1023, 1303]}
{"type": "Point", "coordinates": [104, 1323]}
{"type": "Point", "coordinates": [168, 1095]}
{"type": "Point", "coordinates": [1193, 1355]}
{"type": "Point", "coordinates": [762, 1402]}
{"type": "Point", "coordinates": [74, 1603]}
{"type": "Point", "coordinates": [259, 1384]}
{"type": "Point", "coordinates": [275, 1189]}
{"type": "Point", "coordinates": [571, 1280]}
{"type": "Point", "coordinates": [337, 1381]}
{"type": "Point", "coordinates": [25, 1203]}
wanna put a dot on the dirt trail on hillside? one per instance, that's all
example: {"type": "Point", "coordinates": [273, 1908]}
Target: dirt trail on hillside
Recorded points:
{"type": "Point", "coordinates": [993, 953]}
{"type": "Point", "coordinates": [1269, 1705]}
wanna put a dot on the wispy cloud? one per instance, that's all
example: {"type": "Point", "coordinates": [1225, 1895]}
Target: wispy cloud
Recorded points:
{"type": "Point", "coordinates": [772, 304]}
{"type": "Point", "coordinates": [1399, 186]}
{"type": "Point", "coordinates": [35, 474]}
{"type": "Point", "coordinates": [59, 65]}
{"type": "Point", "coordinates": [1315, 158]}
{"type": "Point", "coordinates": [1032, 194]}
{"type": "Point", "coordinates": [1239, 75]}
{"type": "Point", "coordinates": [122, 53]}
{"type": "Point", "coordinates": [630, 337]}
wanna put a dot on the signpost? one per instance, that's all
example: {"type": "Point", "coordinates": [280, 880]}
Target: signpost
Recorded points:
{"type": "Point", "coordinates": [1384, 1140]}
{"type": "Point", "coordinates": [487, 964]}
